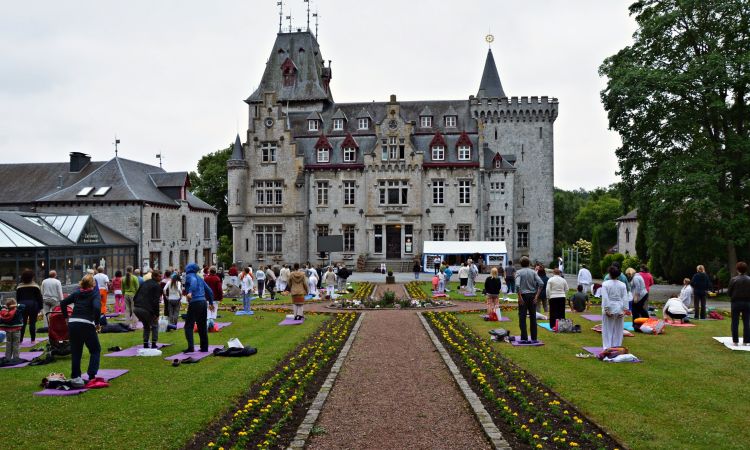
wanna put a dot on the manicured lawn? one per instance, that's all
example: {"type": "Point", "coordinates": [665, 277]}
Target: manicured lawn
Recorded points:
{"type": "Point", "coordinates": [280, 299]}
{"type": "Point", "coordinates": [154, 405]}
{"type": "Point", "coordinates": [455, 295]}
{"type": "Point", "coordinates": [690, 393]}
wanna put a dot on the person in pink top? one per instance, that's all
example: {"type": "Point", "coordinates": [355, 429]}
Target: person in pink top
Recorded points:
{"type": "Point", "coordinates": [647, 278]}
{"type": "Point", "coordinates": [117, 289]}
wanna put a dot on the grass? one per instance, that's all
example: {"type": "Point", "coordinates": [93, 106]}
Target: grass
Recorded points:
{"type": "Point", "coordinates": [690, 392]}
{"type": "Point", "coordinates": [280, 299]}
{"type": "Point", "coordinates": [154, 405]}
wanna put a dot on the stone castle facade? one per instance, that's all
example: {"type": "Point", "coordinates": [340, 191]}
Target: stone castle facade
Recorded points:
{"type": "Point", "coordinates": [386, 175]}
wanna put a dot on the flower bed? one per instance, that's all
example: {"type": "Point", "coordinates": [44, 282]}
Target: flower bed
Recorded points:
{"type": "Point", "coordinates": [527, 412]}
{"type": "Point", "coordinates": [414, 289]}
{"type": "Point", "coordinates": [269, 416]}
{"type": "Point", "coordinates": [363, 291]}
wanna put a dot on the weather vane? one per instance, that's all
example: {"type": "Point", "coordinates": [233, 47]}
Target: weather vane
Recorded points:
{"type": "Point", "coordinates": [490, 39]}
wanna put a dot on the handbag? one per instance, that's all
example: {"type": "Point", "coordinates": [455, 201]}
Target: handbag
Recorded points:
{"type": "Point", "coordinates": [564, 326]}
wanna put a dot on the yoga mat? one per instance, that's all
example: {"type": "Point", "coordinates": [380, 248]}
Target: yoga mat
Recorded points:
{"type": "Point", "coordinates": [625, 331]}
{"type": "Point", "coordinates": [238, 313]}
{"type": "Point", "coordinates": [292, 322]}
{"type": "Point", "coordinates": [727, 341]}
{"type": "Point", "coordinates": [26, 343]}
{"type": "Point", "coordinates": [309, 297]}
{"type": "Point", "coordinates": [596, 350]}
{"type": "Point", "coordinates": [59, 393]}
{"type": "Point", "coordinates": [195, 355]}
{"type": "Point", "coordinates": [592, 317]}
{"type": "Point", "coordinates": [219, 325]}
{"type": "Point", "coordinates": [438, 294]}
{"type": "Point", "coordinates": [470, 295]}
{"type": "Point", "coordinates": [133, 351]}
{"type": "Point", "coordinates": [28, 356]}
{"type": "Point", "coordinates": [680, 324]}
{"type": "Point", "coordinates": [504, 319]}
{"type": "Point", "coordinates": [107, 374]}
{"type": "Point", "coordinates": [519, 344]}
{"type": "Point", "coordinates": [546, 326]}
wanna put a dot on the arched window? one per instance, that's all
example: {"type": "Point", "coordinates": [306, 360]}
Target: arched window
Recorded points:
{"type": "Point", "coordinates": [184, 227]}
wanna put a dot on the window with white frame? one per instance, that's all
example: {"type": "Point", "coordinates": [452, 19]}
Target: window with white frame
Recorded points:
{"type": "Point", "coordinates": [438, 192]}
{"type": "Point", "coordinates": [450, 121]}
{"type": "Point", "coordinates": [268, 152]}
{"type": "Point", "coordinates": [438, 232]}
{"type": "Point", "coordinates": [464, 192]}
{"type": "Point", "coordinates": [349, 186]}
{"type": "Point", "coordinates": [338, 124]}
{"type": "Point", "coordinates": [393, 192]}
{"type": "Point", "coordinates": [464, 232]}
{"type": "Point", "coordinates": [464, 153]}
{"type": "Point", "coordinates": [523, 235]}
{"type": "Point", "coordinates": [313, 125]}
{"type": "Point", "coordinates": [393, 148]}
{"type": "Point", "coordinates": [268, 238]}
{"type": "Point", "coordinates": [438, 153]}
{"type": "Point", "coordinates": [324, 155]}
{"type": "Point", "coordinates": [268, 193]}
{"type": "Point", "coordinates": [497, 228]}
{"type": "Point", "coordinates": [322, 189]}
{"type": "Point", "coordinates": [348, 238]}
{"type": "Point", "coordinates": [425, 121]}
{"type": "Point", "coordinates": [384, 147]}
{"type": "Point", "coordinates": [350, 154]}
{"type": "Point", "coordinates": [363, 123]}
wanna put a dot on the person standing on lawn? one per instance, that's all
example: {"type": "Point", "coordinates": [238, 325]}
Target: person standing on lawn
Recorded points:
{"type": "Point", "coordinates": [329, 279]}
{"type": "Point", "coordinates": [214, 282]}
{"type": "Point", "coordinates": [129, 287]}
{"type": "Point", "coordinates": [260, 279]}
{"type": "Point", "coordinates": [29, 295]}
{"type": "Point", "coordinates": [701, 285]}
{"type": "Point", "coordinates": [11, 321]}
{"type": "Point", "coordinates": [343, 275]}
{"type": "Point", "coordinates": [448, 274]}
{"type": "Point", "coordinates": [146, 307]}
{"type": "Point", "coordinates": [639, 292]}
{"type": "Point", "coordinates": [471, 282]}
{"type": "Point", "coordinates": [556, 289]}
{"type": "Point", "coordinates": [298, 288]}
{"type": "Point", "coordinates": [739, 293]}
{"type": "Point", "coordinates": [416, 268]}
{"type": "Point", "coordinates": [585, 279]}
{"type": "Point", "coordinates": [197, 294]}
{"type": "Point", "coordinates": [246, 280]}
{"type": "Point", "coordinates": [271, 282]}
{"type": "Point", "coordinates": [529, 286]}
{"type": "Point", "coordinates": [102, 281]}
{"type": "Point", "coordinates": [542, 304]}
{"type": "Point", "coordinates": [463, 276]}
{"type": "Point", "coordinates": [492, 286]}
{"type": "Point", "coordinates": [283, 280]}
{"type": "Point", "coordinates": [686, 294]}
{"type": "Point", "coordinates": [117, 290]}
{"type": "Point", "coordinates": [614, 308]}
{"type": "Point", "coordinates": [173, 293]}
{"type": "Point", "coordinates": [510, 277]}
{"type": "Point", "coordinates": [51, 294]}
{"type": "Point", "coordinates": [82, 328]}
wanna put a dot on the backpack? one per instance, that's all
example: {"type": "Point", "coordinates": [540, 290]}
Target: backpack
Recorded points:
{"type": "Point", "coordinates": [715, 315]}
{"type": "Point", "coordinates": [564, 326]}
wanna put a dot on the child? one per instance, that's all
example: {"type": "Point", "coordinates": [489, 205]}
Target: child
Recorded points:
{"type": "Point", "coordinates": [11, 320]}
{"type": "Point", "coordinates": [435, 281]}
{"type": "Point", "coordinates": [117, 289]}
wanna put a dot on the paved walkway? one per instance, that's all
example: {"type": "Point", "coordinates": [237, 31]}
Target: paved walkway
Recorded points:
{"type": "Point", "coordinates": [394, 392]}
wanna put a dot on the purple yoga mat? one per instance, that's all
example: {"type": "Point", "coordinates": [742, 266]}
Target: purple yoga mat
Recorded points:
{"type": "Point", "coordinates": [592, 317]}
{"type": "Point", "coordinates": [24, 355]}
{"type": "Point", "coordinates": [594, 350]}
{"type": "Point", "coordinates": [107, 374]}
{"type": "Point", "coordinates": [519, 344]}
{"type": "Point", "coordinates": [194, 355]}
{"type": "Point", "coordinates": [291, 322]}
{"type": "Point", "coordinates": [59, 393]}
{"type": "Point", "coordinates": [133, 351]}
{"type": "Point", "coordinates": [504, 319]}
{"type": "Point", "coordinates": [220, 325]}
{"type": "Point", "coordinates": [26, 343]}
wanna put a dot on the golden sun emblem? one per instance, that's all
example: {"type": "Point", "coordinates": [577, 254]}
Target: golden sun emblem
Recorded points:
{"type": "Point", "coordinates": [489, 38]}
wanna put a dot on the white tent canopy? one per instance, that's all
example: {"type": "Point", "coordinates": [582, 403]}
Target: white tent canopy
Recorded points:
{"type": "Point", "coordinates": [464, 247]}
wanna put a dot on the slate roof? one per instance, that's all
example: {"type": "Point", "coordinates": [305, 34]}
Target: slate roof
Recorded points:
{"type": "Point", "coordinates": [170, 179]}
{"type": "Point", "coordinates": [309, 64]}
{"type": "Point", "coordinates": [490, 85]}
{"type": "Point", "coordinates": [306, 147]}
{"type": "Point", "coordinates": [507, 160]}
{"type": "Point", "coordinates": [237, 152]}
{"type": "Point", "coordinates": [18, 191]}
{"type": "Point", "coordinates": [632, 215]}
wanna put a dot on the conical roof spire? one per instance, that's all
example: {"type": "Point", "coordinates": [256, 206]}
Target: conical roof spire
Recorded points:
{"type": "Point", "coordinates": [237, 149]}
{"type": "Point", "coordinates": [490, 85]}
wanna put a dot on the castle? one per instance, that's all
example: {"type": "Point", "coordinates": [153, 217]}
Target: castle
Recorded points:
{"type": "Point", "coordinates": [387, 176]}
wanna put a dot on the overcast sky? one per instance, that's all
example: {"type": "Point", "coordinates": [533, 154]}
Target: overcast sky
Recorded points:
{"type": "Point", "coordinates": [170, 76]}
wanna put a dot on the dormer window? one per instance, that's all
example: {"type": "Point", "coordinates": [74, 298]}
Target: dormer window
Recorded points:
{"type": "Point", "coordinates": [313, 125]}
{"type": "Point", "coordinates": [450, 121]}
{"type": "Point", "coordinates": [350, 154]}
{"type": "Point", "coordinates": [425, 121]}
{"type": "Point", "coordinates": [363, 123]}
{"type": "Point", "coordinates": [438, 153]}
{"type": "Point", "coordinates": [464, 153]}
{"type": "Point", "coordinates": [498, 164]}
{"type": "Point", "coordinates": [338, 124]}
{"type": "Point", "coordinates": [324, 155]}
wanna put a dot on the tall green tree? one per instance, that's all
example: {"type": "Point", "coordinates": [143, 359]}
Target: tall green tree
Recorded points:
{"type": "Point", "coordinates": [209, 183]}
{"type": "Point", "coordinates": [600, 211]}
{"type": "Point", "coordinates": [596, 255]}
{"type": "Point", "coordinates": [678, 97]}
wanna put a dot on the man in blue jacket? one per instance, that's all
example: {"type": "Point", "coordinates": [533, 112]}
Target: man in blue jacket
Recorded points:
{"type": "Point", "coordinates": [197, 314]}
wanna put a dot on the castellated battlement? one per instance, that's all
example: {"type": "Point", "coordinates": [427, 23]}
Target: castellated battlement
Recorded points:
{"type": "Point", "coordinates": [515, 108]}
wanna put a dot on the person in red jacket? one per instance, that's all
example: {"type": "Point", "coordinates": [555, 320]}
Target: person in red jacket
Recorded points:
{"type": "Point", "coordinates": [214, 282]}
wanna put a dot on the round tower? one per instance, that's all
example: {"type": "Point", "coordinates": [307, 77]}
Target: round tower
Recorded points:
{"type": "Point", "coordinates": [237, 174]}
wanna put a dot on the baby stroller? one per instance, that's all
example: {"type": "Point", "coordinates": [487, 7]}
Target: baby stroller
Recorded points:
{"type": "Point", "coordinates": [59, 339]}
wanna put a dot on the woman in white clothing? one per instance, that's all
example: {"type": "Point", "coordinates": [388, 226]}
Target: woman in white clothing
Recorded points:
{"type": "Point", "coordinates": [173, 291]}
{"type": "Point", "coordinates": [614, 308]}
{"type": "Point", "coordinates": [246, 281]}
{"type": "Point", "coordinates": [312, 283]}
{"type": "Point", "coordinates": [674, 310]}
{"type": "Point", "coordinates": [686, 294]}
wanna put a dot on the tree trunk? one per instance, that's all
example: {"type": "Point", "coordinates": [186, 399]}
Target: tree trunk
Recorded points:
{"type": "Point", "coordinates": [731, 258]}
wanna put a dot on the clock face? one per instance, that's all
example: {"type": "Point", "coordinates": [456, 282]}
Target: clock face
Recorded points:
{"type": "Point", "coordinates": [269, 122]}
{"type": "Point", "coordinates": [393, 124]}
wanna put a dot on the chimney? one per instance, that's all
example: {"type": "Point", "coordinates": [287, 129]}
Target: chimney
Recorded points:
{"type": "Point", "coordinates": [78, 161]}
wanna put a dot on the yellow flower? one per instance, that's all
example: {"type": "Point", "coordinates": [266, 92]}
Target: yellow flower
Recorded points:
{"type": "Point", "coordinates": [536, 436]}
{"type": "Point", "coordinates": [538, 445]}
{"type": "Point", "coordinates": [564, 432]}
{"type": "Point", "coordinates": [531, 420]}
{"type": "Point", "coordinates": [599, 435]}
{"type": "Point", "coordinates": [211, 444]}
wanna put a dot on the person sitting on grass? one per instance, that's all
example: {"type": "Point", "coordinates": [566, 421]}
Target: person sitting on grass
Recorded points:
{"type": "Point", "coordinates": [579, 302]}
{"type": "Point", "coordinates": [11, 320]}
{"type": "Point", "coordinates": [674, 310]}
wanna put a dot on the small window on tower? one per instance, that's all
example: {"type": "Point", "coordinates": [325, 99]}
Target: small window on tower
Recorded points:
{"type": "Point", "coordinates": [312, 125]}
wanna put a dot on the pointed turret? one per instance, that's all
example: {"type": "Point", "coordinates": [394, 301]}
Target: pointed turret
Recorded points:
{"type": "Point", "coordinates": [237, 149]}
{"type": "Point", "coordinates": [490, 85]}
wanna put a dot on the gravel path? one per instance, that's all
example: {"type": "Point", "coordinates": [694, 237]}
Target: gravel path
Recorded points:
{"type": "Point", "coordinates": [394, 392]}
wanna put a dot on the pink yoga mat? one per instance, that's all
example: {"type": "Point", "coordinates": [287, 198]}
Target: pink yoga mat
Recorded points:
{"type": "Point", "coordinates": [133, 351]}
{"type": "Point", "coordinates": [680, 324]}
{"type": "Point", "coordinates": [195, 355]}
{"type": "Point", "coordinates": [24, 355]}
{"type": "Point", "coordinates": [292, 322]}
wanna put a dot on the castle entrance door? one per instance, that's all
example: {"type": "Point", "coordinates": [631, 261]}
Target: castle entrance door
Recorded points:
{"type": "Point", "coordinates": [393, 241]}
